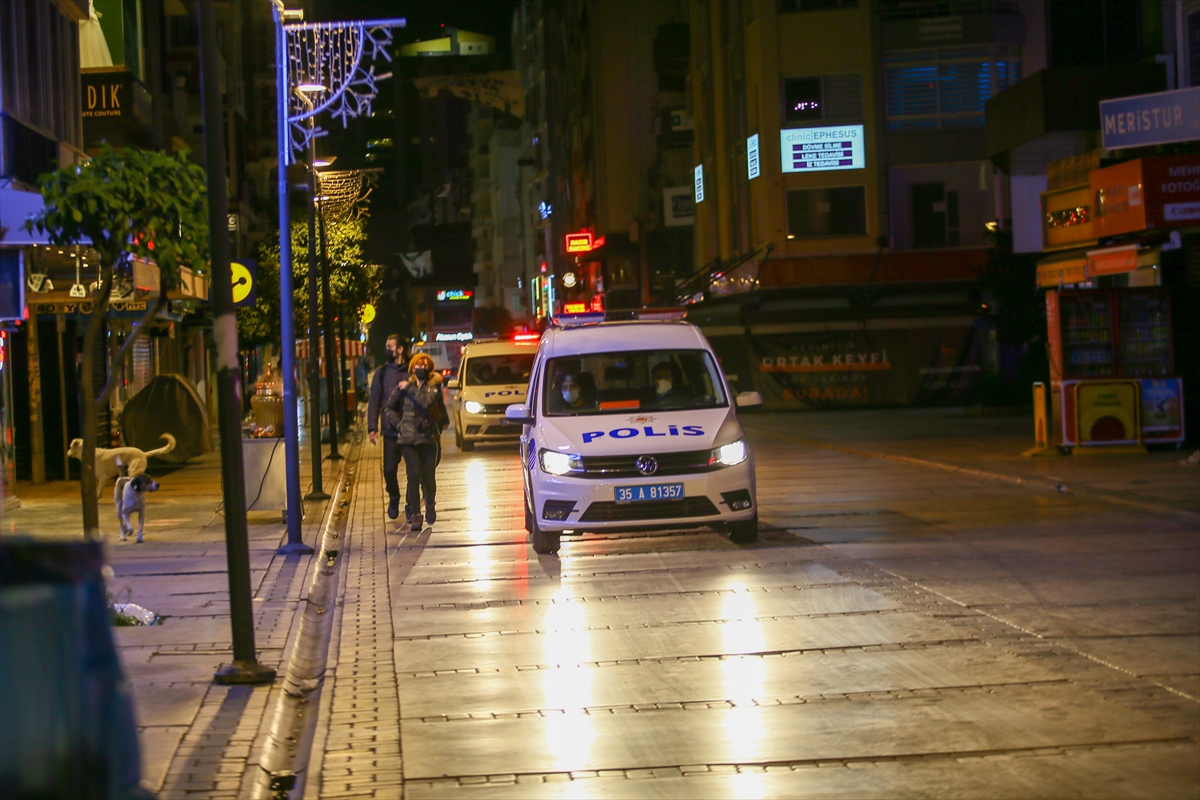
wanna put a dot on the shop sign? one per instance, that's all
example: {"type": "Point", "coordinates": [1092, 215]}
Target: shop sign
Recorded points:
{"type": "Point", "coordinates": [1145, 193]}
{"type": "Point", "coordinates": [1149, 119]}
{"type": "Point", "coordinates": [753, 165]}
{"type": "Point", "coordinates": [1067, 217]}
{"type": "Point", "coordinates": [1112, 260]}
{"type": "Point", "coordinates": [1107, 412]}
{"type": "Point", "coordinates": [243, 276]}
{"type": "Point", "coordinates": [1162, 408]}
{"type": "Point", "coordinates": [445, 295]}
{"type": "Point", "coordinates": [579, 242]}
{"type": "Point", "coordinates": [822, 149]}
{"type": "Point", "coordinates": [679, 207]}
{"type": "Point", "coordinates": [457, 336]}
{"type": "Point", "coordinates": [113, 95]}
{"type": "Point", "coordinates": [698, 178]}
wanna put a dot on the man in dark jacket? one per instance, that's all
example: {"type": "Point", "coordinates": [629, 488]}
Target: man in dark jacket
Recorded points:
{"type": "Point", "coordinates": [387, 377]}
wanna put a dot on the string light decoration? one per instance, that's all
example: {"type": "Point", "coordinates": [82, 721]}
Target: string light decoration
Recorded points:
{"type": "Point", "coordinates": [327, 71]}
{"type": "Point", "coordinates": [344, 193]}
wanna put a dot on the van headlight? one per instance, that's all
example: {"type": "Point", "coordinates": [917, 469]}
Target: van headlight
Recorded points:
{"type": "Point", "coordinates": [560, 463]}
{"type": "Point", "coordinates": [728, 455]}
{"type": "Point", "coordinates": [471, 407]}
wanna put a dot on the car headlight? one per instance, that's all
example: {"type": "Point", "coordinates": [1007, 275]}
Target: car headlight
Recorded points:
{"type": "Point", "coordinates": [728, 455]}
{"type": "Point", "coordinates": [560, 463]}
{"type": "Point", "coordinates": [471, 407]}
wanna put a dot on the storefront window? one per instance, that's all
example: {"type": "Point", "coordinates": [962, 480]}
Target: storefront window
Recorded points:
{"type": "Point", "coordinates": [822, 213]}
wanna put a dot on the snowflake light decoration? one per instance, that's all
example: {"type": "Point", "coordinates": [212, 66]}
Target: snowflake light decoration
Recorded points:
{"type": "Point", "coordinates": [326, 72]}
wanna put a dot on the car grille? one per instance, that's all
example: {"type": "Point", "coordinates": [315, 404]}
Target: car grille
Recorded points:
{"type": "Point", "coordinates": [495, 408]}
{"type": "Point", "coordinates": [686, 463]}
{"type": "Point", "coordinates": [649, 510]}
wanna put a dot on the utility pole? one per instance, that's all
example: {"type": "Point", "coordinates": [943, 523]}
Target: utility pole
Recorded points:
{"type": "Point", "coordinates": [245, 667]}
{"type": "Point", "coordinates": [314, 341]}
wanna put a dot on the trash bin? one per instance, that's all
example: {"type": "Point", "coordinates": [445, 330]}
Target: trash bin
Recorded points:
{"type": "Point", "coordinates": [69, 729]}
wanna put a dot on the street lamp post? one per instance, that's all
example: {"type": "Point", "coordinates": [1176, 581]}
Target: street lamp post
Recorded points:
{"type": "Point", "coordinates": [314, 347]}
{"type": "Point", "coordinates": [330, 341]}
{"type": "Point", "coordinates": [331, 54]}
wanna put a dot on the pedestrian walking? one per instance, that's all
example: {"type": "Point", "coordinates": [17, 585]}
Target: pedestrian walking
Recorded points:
{"type": "Point", "coordinates": [386, 379]}
{"type": "Point", "coordinates": [417, 410]}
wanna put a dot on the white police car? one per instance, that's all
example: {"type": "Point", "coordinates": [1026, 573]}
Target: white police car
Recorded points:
{"type": "Point", "coordinates": [491, 376]}
{"type": "Point", "coordinates": [631, 424]}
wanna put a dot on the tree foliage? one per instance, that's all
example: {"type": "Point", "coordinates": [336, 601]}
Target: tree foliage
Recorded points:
{"type": "Point", "coordinates": [128, 203]}
{"type": "Point", "coordinates": [352, 282]}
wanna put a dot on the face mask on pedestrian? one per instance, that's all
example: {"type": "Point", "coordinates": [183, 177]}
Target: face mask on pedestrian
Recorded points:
{"type": "Point", "coordinates": [662, 386]}
{"type": "Point", "coordinates": [421, 373]}
{"type": "Point", "coordinates": [393, 355]}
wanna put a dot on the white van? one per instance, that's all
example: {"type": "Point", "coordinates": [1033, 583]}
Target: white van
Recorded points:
{"type": "Point", "coordinates": [628, 425]}
{"type": "Point", "coordinates": [491, 376]}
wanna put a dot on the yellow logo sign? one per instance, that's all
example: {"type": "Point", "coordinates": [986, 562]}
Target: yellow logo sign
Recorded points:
{"type": "Point", "coordinates": [243, 281]}
{"type": "Point", "coordinates": [367, 314]}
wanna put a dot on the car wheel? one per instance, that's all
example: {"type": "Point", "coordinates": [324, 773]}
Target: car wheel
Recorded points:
{"type": "Point", "coordinates": [744, 532]}
{"type": "Point", "coordinates": [458, 437]}
{"type": "Point", "coordinates": [466, 446]}
{"type": "Point", "coordinates": [528, 517]}
{"type": "Point", "coordinates": [544, 542]}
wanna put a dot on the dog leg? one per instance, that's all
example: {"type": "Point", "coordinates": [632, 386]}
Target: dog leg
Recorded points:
{"type": "Point", "coordinates": [141, 522]}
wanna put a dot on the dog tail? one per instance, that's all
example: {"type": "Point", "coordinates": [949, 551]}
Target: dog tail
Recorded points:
{"type": "Point", "coordinates": [168, 447]}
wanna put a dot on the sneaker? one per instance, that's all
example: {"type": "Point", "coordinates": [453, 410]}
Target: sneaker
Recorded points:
{"type": "Point", "coordinates": [430, 514]}
{"type": "Point", "coordinates": [417, 522]}
{"type": "Point", "coordinates": [393, 508]}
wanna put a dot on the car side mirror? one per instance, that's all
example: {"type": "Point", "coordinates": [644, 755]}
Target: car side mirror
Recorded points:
{"type": "Point", "coordinates": [452, 383]}
{"type": "Point", "coordinates": [748, 399]}
{"type": "Point", "coordinates": [518, 412]}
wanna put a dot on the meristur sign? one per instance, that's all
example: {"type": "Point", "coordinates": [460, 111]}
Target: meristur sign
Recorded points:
{"type": "Point", "coordinates": [1149, 119]}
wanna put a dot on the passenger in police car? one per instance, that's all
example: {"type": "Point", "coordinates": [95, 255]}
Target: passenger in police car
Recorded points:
{"type": "Point", "coordinates": [576, 394]}
{"type": "Point", "coordinates": [667, 385]}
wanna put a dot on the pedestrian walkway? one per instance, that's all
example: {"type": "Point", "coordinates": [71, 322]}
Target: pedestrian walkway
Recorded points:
{"type": "Point", "coordinates": [196, 737]}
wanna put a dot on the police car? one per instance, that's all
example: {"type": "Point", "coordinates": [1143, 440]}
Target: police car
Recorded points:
{"type": "Point", "coordinates": [491, 376]}
{"type": "Point", "coordinates": [632, 424]}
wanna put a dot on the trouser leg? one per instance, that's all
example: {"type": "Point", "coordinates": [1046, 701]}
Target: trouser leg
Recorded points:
{"type": "Point", "coordinates": [391, 463]}
{"type": "Point", "coordinates": [412, 468]}
{"type": "Point", "coordinates": [428, 454]}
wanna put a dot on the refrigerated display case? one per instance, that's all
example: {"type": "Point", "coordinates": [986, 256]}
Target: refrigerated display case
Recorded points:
{"type": "Point", "coordinates": [1122, 336]}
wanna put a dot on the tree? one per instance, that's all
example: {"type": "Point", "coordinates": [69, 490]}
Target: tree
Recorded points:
{"type": "Point", "coordinates": [128, 203]}
{"type": "Point", "coordinates": [352, 282]}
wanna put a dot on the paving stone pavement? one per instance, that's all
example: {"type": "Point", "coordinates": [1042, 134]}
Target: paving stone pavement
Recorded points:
{"type": "Point", "coordinates": [356, 751]}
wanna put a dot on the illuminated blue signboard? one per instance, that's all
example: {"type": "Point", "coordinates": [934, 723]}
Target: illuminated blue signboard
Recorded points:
{"type": "Point", "coordinates": [822, 149]}
{"type": "Point", "coordinates": [1149, 119]}
{"type": "Point", "coordinates": [699, 183]}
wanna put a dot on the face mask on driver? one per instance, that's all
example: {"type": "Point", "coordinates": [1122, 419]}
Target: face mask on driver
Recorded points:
{"type": "Point", "coordinates": [421, 372]}
{"type": "Point", "coordinates": [571, 395]}
{"type": "Point", "coordinates": [662, 387]}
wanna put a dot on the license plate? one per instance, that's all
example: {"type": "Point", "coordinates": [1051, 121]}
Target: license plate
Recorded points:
{"type": "Point", "coordinates": [653, 491]}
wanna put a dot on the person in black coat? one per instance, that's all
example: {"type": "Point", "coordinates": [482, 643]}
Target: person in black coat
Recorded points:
{"type": "Point", "coordinates": [386, 378]}
{"type": "Point", "coordinates": [417, 410]}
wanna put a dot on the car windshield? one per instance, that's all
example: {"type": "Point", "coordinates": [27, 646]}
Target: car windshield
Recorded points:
{"type": "Point", "coordinates": [612, 383]}
{"type": "Point", "coordinates": [497, 370]}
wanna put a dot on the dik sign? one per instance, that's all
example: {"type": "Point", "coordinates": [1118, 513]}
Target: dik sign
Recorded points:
{"type": "Point", "coordinates": [106, 95]}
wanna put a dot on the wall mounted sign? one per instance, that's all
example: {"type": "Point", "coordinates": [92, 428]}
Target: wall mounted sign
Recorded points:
{"type": "Point", "coordinates": [444, 295]}
{"type": "Point", "coordinates": [1149, 119]}
{"type": "Point", "coordinates": [822, 149]}
{"type": "Point", "coordinates": [699, 172]}
{"type": "Point", "coordinates": [753, 165]}
{"type": "Point", "coordinates": [679, 206]}
{"type": "Point", "coordinates": [579, 242]}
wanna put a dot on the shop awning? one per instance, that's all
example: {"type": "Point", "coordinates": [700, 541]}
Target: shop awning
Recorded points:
{"type": "Point", "coordinates": [1079, 266]}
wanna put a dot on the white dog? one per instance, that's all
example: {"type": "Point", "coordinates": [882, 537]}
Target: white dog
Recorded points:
{"type": "Point", "coordinates": [130, 496]}
{"type": "Point", "coordinates": [110, 461]}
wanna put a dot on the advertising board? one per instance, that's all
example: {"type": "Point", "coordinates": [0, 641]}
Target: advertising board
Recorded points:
{"type": "Point", "coordinates": [822, 149]}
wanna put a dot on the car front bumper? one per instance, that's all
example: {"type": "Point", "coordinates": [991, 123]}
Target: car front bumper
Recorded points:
{"type": "Point", "coordinates": [706, 500]}
{"type": "Point", "coordinates": [488, 428]}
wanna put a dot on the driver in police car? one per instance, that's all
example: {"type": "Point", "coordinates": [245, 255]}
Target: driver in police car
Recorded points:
{"type": "Point", "coordinates": [668, 386]}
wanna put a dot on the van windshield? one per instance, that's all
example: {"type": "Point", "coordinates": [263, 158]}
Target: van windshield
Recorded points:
{"type": "Point", "coordinates": [647, 380]}
{"type": "Point", "coordinates": [497, 370]}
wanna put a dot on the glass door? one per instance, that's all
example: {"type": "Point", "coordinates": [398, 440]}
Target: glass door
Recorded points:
{"type": "Point", "coordinates": [1087, 335]}
{"type": "Point", "coordinates": [1145, 347]}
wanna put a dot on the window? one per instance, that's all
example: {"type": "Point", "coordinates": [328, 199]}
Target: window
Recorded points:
{"type": "Point", "coordinates": [822, 213]}
{"type": "Point", "coordinates": [946, 87]}
{"type": "Point", "coordinates": [618, 383]}
{"type": "Point", "coordinates": [822, 98]}
{"type": "Point", "coordinates": [786, 6]}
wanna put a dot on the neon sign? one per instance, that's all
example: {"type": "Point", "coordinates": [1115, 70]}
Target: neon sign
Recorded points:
{"type": "Point", "coordinates": [454, 294]}
{"type": "Point", "coordinates": [574, 308]}
{"type": "Point", "coordinates": [579, 242]}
